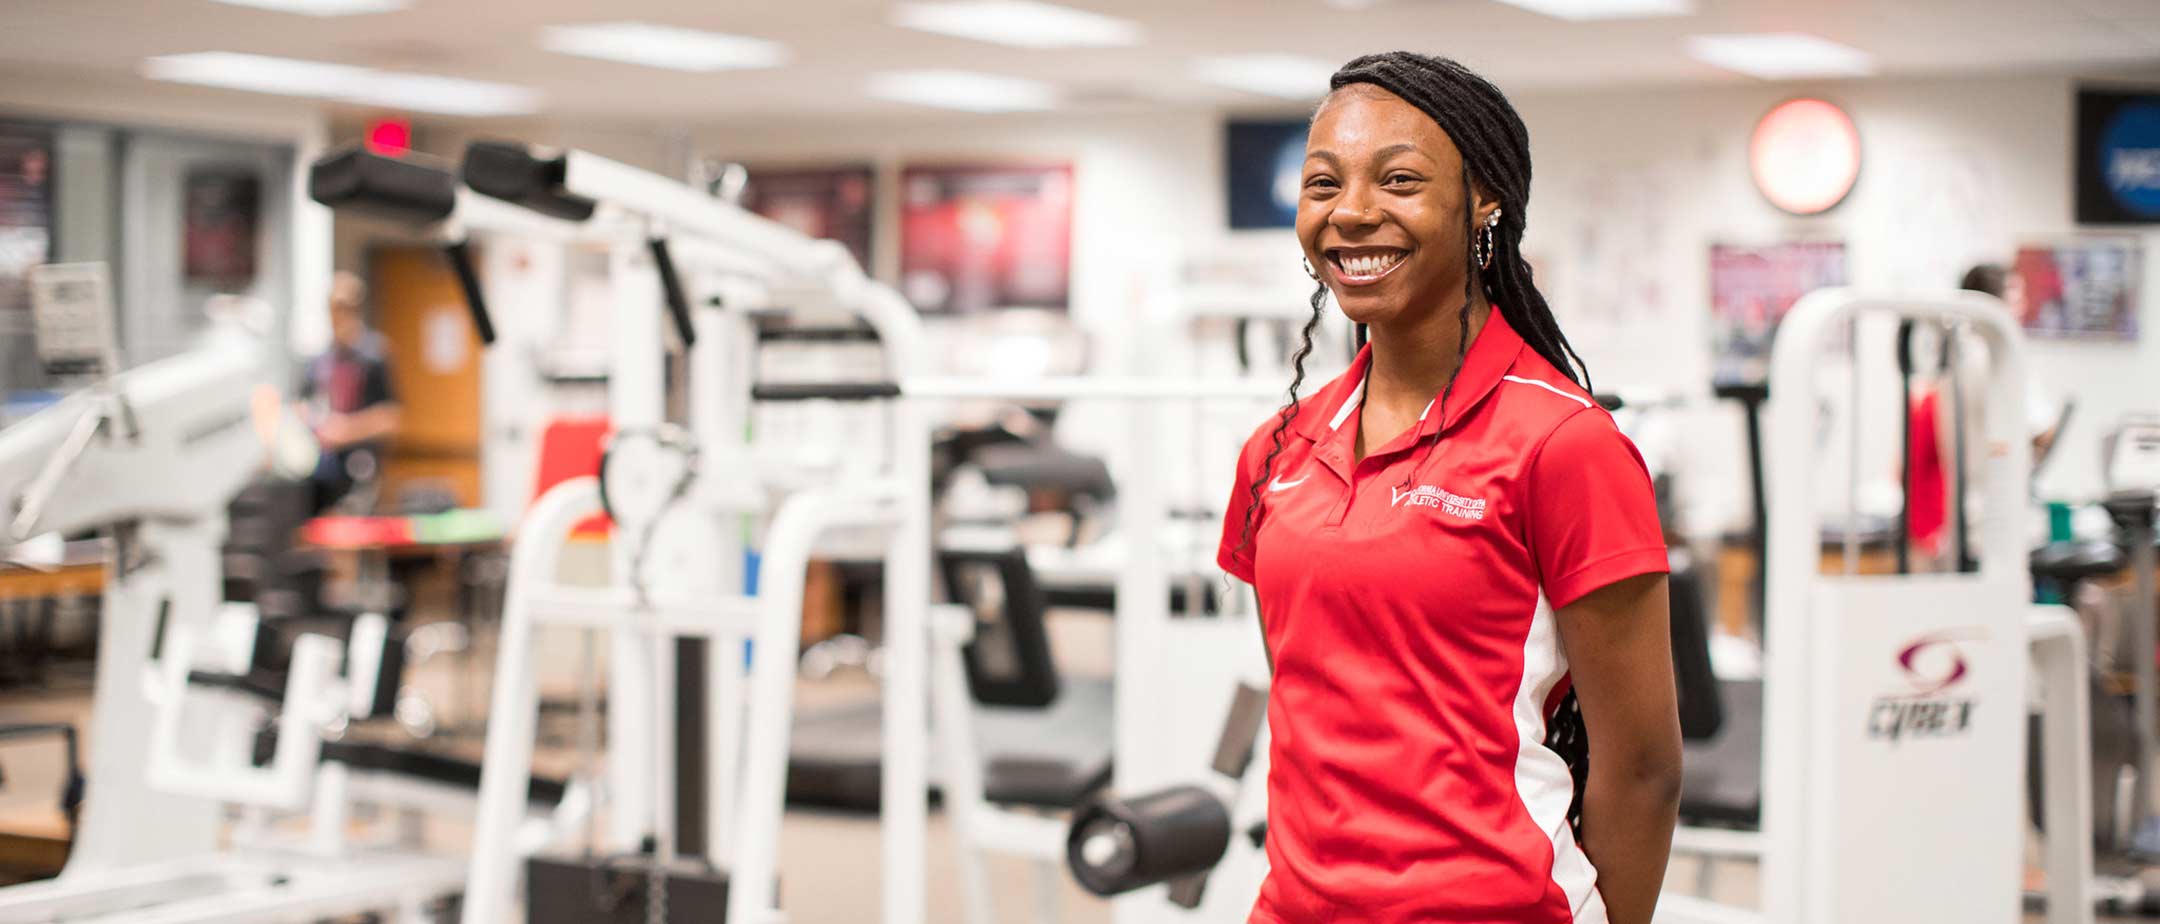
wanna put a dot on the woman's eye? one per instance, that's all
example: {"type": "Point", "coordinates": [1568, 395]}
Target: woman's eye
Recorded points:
{"type": "Point", "coordinates": [1320, 183]}
{"type": "Point", "coordinates": [1399, 179]}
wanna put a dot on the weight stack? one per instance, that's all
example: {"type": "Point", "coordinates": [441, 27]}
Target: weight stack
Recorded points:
{"type": "Point", "coordinates": [612, 890]}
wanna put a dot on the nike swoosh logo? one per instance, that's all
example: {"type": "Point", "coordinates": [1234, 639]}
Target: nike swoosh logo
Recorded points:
{"type": "Point", "coordinates": [1280, 485]}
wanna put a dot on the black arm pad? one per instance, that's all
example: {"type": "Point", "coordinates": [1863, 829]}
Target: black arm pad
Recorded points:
{"type": "Point", "coordinates": [508, 171]}
{"type": "Point", "coordinates": [398, 189]}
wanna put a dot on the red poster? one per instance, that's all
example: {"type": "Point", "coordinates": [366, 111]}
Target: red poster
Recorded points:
{"type": "Point", "coordinates": [2084, 288]}
{"type": "Point", "coordinates": [978, 238]}
{"type": "Point", "coordinates": [824, 202]}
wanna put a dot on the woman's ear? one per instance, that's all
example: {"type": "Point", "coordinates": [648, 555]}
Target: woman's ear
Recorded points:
{"type": "Point", "coordinates": [1482, 204]}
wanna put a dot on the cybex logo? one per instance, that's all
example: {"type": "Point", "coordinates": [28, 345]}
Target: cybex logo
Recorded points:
{"type": "Point", "coordinates": [1934, 667]}
{"type": "Point", "coordinates": [1454, 505]}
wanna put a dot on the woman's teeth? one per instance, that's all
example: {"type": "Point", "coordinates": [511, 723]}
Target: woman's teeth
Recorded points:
{"type": "Point", "coordinates": [1369, 264]}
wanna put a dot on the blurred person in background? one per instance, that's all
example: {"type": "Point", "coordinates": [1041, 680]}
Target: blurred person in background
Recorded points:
{"type": "Point", "coordinates": [348, 398]}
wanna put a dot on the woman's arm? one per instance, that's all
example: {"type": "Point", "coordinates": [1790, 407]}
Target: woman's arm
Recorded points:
{"type": "Point", "coordinates": [1619, 648]}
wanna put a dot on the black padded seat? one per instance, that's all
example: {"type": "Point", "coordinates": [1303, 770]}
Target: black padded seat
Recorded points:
{"type": "Point", "coordinates": [1722, 775]}
{"type": "Point", "coordinates": [1043, 783]}
{"type": "Point", "coordinates": [433, 768]}
{"type": "Point", "coordinates": [2076, 561]}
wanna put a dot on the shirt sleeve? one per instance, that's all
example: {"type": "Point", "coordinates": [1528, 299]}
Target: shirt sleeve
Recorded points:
{"type": "Point", "coordinates": [378, 388]}
{"type": "Point", "coordinates": [1592, 513]}
{"type": "Point", "coordinates": [1237, 552]}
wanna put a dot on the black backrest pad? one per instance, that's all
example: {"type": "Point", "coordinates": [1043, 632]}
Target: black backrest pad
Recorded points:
{"type": "Point", "coordinates": [1009, 662]}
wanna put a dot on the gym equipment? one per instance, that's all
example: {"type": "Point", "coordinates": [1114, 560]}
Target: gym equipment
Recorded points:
{"type": "Point", "coordinates": [185, 725]}
{"type": "Point", "coordinates": [1180, 834]}
{"type": "Point", "coordinates": [677, 497]}
{"type": "Point", "coordinates": [1902, 749]}
{"type": "Point", "coordinates": [2133, 476]}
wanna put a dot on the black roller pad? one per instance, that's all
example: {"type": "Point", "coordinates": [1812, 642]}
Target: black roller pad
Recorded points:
{"type": "Point", "coordinates": [401, 190]}
{"type": "Point", "coordinates": [508, 171]}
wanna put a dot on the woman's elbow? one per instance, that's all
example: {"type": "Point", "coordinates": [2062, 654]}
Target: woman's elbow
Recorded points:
{"type": "Point", "coordinates": [1652, 769]}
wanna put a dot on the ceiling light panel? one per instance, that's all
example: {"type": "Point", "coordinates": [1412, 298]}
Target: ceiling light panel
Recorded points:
{"type": "Point", "coordinates": [1285, 76]}
{"type": "Point", "coordinates": [1020, 23]}
{"type": "Point", "coordinates": [964, 90]}
{"type": "Point", "coordinates": [1780, 55]}
{"type": "Point", "coordinates": [670, 47]}
{"type": "Point", "coordinates": [343, 83]}
{"type": "Point", "coordinates": [324, 7]}
{"type": "Point", "coordinates": [1591, 10]}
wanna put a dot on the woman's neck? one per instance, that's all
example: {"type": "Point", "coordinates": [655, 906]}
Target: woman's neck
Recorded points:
{"type": "Point", "coordinates": [1413, 361]}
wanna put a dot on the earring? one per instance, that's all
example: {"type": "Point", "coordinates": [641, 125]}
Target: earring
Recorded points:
{"type": "Point", "coordinates": [1308, 269]}
{"type": "Point", "coordinates": [1482, 248]}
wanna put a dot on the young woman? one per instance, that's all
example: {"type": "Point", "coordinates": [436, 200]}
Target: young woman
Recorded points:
{"type": "Point", "coordinates": [1452, 546]}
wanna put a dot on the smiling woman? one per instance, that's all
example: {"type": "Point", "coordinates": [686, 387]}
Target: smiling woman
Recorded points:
{"type": "Point", "coordinates": [1472, 710]}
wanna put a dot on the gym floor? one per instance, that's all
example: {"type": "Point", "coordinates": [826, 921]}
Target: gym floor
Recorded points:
{"type": "Point", "coordinates": [829, 861]}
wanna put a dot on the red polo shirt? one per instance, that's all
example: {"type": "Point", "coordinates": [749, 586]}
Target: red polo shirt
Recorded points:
{"type": "Point", "coordinates": [1408, 600]}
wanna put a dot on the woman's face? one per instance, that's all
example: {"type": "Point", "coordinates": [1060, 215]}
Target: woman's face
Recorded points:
{"type": "Point", "coordinates": [1381, 213]}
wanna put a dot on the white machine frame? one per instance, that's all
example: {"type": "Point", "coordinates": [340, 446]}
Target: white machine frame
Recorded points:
{"type": "Point", "coordinates": [161, 450]}
{"type": "Point", "coordinates": [749, 715]}
{"type": "Point", "coordinates": [1895, 706]}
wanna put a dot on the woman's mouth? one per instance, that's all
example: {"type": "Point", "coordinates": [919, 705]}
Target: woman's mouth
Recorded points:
{"type": "Point", "coordinates": [1363, 266]}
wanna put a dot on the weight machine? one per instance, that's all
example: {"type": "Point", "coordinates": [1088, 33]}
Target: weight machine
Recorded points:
{"type": "Point", "coordinates": [1895, 705]}
{"type": "Point", "coordinates": [155, 454]}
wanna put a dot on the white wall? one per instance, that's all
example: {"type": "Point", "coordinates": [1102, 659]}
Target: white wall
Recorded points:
{"type": "Point", "coordinates": [135, 104]}
{"type": "Point", "coordinates": [1631, 189]}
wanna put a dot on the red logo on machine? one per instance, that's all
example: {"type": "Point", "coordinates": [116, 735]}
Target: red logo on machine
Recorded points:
{"type": "Point", "coordinates": [1933, 666]}
{"type": "Point", "coordinates": [1925, 679]}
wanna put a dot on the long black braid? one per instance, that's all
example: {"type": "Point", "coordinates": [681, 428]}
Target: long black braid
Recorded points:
{"type": "Point", "coordinates": [1495, 149]}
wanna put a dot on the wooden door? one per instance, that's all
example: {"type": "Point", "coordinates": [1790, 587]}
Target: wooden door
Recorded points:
{"type": "Point", "coordinates": [435, 365]}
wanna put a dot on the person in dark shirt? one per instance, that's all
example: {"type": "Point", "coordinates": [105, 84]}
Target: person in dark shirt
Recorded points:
{"type": "Point", "coordinates": [348, 397]}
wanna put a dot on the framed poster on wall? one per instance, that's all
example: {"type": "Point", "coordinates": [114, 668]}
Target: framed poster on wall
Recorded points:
{"type": "Point", "coordinates": [2118, 157]}
{"type": "Point", "coordinates": [1263, 161]}
{"type": "Point", "coordinates": [1751, 288]}
{"type": "Point", "coordinates": [980, 237]}
{"type": "Point", "coordinates": [824, 202]}
{"type": "Point", "coordinates": [221, 206]}
{"type": "Point", "coordinates": [26, 213]}
{"type": "Point", "coordinates": [2081, 288]}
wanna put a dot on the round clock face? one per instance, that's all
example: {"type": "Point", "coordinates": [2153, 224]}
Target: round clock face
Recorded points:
{"type": "Point", "coordinates": [1805, 156]}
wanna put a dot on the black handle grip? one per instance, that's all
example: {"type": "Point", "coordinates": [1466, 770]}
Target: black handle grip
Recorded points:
{"type": "Point", "coordinates": [469, 280]}
{"type": "Point", "coordinates": [1609, 401]}
{"type": "Point", "coordinates": [678, 305]}
{"type": "Point", "coordinates": [825, 391]}
{"type": "Point", "coordinates": [857, 333]}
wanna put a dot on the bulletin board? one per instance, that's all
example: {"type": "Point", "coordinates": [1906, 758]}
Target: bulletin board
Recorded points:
{"type": "Point", "coordinates": [1751, 288]}
{"type": "Point", "coordinates": [2082, 288]}
{"type": "Point", "coordinates": [981, 237]}
{"type": "Point", "coordinates": [837, 203]}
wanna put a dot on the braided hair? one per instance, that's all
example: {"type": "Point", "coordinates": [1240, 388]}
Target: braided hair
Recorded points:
{"type": "Point", "coordinates": [1495, 149]}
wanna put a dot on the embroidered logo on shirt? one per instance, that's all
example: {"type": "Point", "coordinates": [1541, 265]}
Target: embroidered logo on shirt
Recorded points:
{"type": "Point", "coordinates": [1454, 505]}
{"type": "Point", "coordinates": [1280, 485]}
